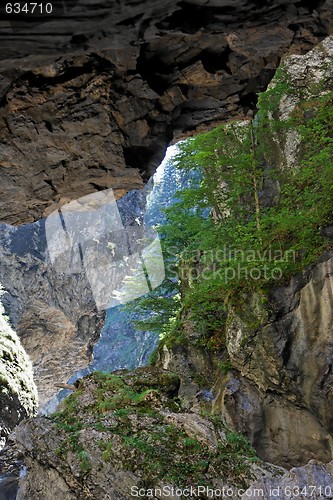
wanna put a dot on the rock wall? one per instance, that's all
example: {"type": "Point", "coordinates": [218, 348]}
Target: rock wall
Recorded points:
{"type": "Point", "coordinates": [95, 110]}
{"type": "Point", "coordinates": [289, 360]}
{"type": "Point", "coordinates": [90, 99]}
{"type": "Point", "coordinates": [306, 77]}
{"type": "Point", "coordinates": [312, 481]}
{"type": "Point", "coordinates": [18, 392]}
{"type": "Point", "coordinates": [53, 312]}
{"type": "Point", "coordinates": [279, 393]}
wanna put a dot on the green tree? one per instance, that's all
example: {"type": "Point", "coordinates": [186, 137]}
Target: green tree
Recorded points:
{"type": "Point", "coordinates": [221, 238]}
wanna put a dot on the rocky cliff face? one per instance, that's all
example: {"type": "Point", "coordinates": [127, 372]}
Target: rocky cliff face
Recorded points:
{"type": "Point", "coordinates": [137, 439]}
{"type": "Point", "coordinates": [93, 103]}
{"type": "Point", "coordinates": [278, 389]}
{"type": "Point", "coordinates": [96, 110]}
{"type": "Point", "coordinates": [18, 393]}
{"type": "Point", "coordinates": [285, 370]}
{"type": "Point", "coordinates": [134, 431]}
{"type": "Point", "coordinates": [289, 356]}
{"type": "Point", "coordinates": [18, 400]}
{"type": "Point", "coordinates": [52, 307]}
{"type": "Point", "coordinates": [279, 393]}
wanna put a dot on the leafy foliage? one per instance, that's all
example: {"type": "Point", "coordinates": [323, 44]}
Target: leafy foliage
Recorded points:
{"type": "Point", "coordinates": [156, 310]}
{"type": "Point", "coordinates": [227, 235]}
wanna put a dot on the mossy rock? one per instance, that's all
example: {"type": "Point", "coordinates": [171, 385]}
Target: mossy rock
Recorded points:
{"type": "Point", "coordinates": [142, 427]}
{"type": "Point", "coordinates": [151, 378]}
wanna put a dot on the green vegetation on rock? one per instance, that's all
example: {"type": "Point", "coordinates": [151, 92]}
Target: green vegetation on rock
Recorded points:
{"type": "Point", "coordinates": [262, 192]}
{"type": "Point", "coordinates": [142, 427]}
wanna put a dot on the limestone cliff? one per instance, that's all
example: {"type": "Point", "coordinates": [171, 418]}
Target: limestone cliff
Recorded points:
{"type": "Point", "coordinates": [285, 370]}
{"type": "Point", "coordinates": [91, 97]}
{"type": "Point", "coordinates": [18, 393]}
{"type": "Point", "coordinates": [96, 110]}
{"type": "Point", "coordinates": [279, 390]}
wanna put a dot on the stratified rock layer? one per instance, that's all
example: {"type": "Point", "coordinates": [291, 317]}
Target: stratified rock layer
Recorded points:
{"type": "Point", "coordinates": [90, 99]}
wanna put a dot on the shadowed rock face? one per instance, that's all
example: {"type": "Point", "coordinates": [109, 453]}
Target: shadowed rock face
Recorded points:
{"type": "Point", "coordinates": [91, 97]}
{"type": "Point", "coordinates": [18, 393]}
{"type": "Point", "coordinates": [290, 362]}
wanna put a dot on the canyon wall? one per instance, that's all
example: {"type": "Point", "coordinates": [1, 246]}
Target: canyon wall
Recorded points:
{"type": "Point", "coordinates": [53, 311]}
{"type": "Point", "coordinates": [279, 391]}
{"type": "Point", "coordinates": [51, 305]}
{"type": "Point", "coordinates": [95, 109]}
{"type": "Point", "coordinates": [276, 390]}
{"type": "Point", "coordinates": [18, 392]}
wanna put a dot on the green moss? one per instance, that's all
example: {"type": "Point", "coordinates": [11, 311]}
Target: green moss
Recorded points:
{"type": "Point", "coordinates": [225, 366]}
{"type": "Point", "coordinates": [199, 379]}
{"type": "Point", "coordinates": [137, 437]}
{"type": "Point", "coordinates": [85, 464]}
{"type": "Point", "coordinates": [118, 397]}
{"type": "Point", "coordinates": [106, 450]}
{"type": "Point", "coordinates": [190, 458]}
{"type": "Point", "coordinates": [166, 453]}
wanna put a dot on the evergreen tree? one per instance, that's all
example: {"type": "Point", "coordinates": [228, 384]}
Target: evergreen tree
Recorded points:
{"type": "Point", "coordinates": [220, 239]}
